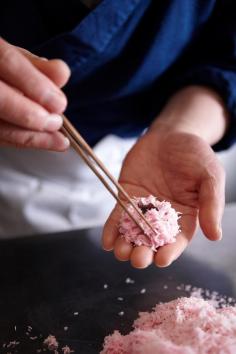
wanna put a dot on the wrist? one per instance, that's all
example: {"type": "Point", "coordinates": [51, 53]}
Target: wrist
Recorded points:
{"type": "Point", "coordinates": [194, 110]}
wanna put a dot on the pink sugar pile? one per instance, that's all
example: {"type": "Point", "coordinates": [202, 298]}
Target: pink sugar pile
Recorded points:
{"type": "Point", "coordinates": [162, 217]}
{"type": "Point", "coordinates": [182, 326]}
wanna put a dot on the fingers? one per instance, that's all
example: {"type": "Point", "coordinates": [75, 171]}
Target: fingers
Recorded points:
{"type": "Point", "coordinates": [17, 71]}
{"type": "Point", "coordinates": [140, 257]}
{"type": "Point", "coordinates": [56, 69]}
{"type": "Point", "coordinates": [110, 230]}
{"type": "Point", "coordinates": [18, 137]}
{"type": "Point", "coordinates": [21, 111]}
{"type": "Point", "coordinates": [211, 203]}
{"type": "Point", "coordinates": [122, 249]}
{"type": "Point", "coordinates": [28, 92]}
{"type": "Point", "coordinates": [167, 254]}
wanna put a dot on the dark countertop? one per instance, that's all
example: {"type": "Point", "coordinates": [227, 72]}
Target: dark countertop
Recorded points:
{"type": "Point", "coordinates": [45, 279]}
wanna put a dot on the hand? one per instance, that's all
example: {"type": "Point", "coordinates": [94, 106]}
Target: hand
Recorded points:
{"type": "Point", "coordinates": [31, 100]}
{"type": "Point", "coordinates": [176, 167]}
{"type": "Point", "coordinates": [175, 164]}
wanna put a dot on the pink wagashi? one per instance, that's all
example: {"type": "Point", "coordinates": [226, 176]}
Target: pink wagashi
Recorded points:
{"type": "Point", "coordinates": [160, 214]}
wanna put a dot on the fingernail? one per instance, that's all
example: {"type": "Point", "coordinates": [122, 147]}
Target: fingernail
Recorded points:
{"type": "Point", "coordinates": [56, 101]}
{"type": "Point", "coordinates": [219, 233]}
{"type": "Point", "coordinates": [53, 123]}
{"type": "Point", "coordinates": [57, 142]}
{"type": "Point", "coordinates": [108, 249]}
{"type": "Point", "coordinates": [164, 265]}
{"type": "Point", "coordinates": [66, 143]}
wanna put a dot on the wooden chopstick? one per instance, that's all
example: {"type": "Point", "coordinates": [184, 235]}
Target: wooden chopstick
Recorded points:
{"type": "Point", "coordinates": [73, 132]}
{"type": "Point", "coordinates": [84, 150]}
{"type": "Point", "coordinates": [102, 179]}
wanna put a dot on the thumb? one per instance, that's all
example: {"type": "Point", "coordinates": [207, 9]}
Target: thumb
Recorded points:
{"type": "Point", "coordinates": [211, 203]}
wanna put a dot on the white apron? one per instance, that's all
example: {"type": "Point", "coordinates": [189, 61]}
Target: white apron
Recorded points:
{"type": "Point", "coordinates": [44, 191]}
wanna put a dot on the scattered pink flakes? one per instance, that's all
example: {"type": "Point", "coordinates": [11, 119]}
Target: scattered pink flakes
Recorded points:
{"type": "Point", "coordinates": [162, 217]}
{"type": "Point", "coordinates": [165, 287]}
{"type": "Point", "coordinates": [120, 298]}
{"type": "Point", "coordinates": [12, 344]}
{"type": "Point", "coordinates": [129, 281]}
{"type": "Point", "coordinates": [51, 342]}
{"type": "Point", "coordinates": [67, 350]}
{"type": "Point", "coordinates": [188, 287]}
{"type": "Point", "coordinates": [142, 291]}
{"type": "Point", "coordinates": [121, 313]}
{"type": "Point", "coordinates": [182, 326]}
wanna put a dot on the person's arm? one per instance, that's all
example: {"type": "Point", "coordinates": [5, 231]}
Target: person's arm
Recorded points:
{"type": "Point", "coordinates": [199, 111]}
{"type": "Point", "coordinates": [210, 62]}
{"type": "Point", "coordinates": [31, 101]}
{"type": "Point", "coordinates": [195, 110]}
{"type": "Point", "coordinates": [174, 160]}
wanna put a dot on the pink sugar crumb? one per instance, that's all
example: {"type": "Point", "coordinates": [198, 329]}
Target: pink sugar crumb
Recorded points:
{"type": "Point", "coordinates": [12, 344]}
{"type": "Point", "coordinates": [51, 343]}
{"type": "Point", "coordinates": [162, 217]}
{"type": "Point", "coordinates": [67, 350]}
{"type": "Point", "coordinates": [182, 326]}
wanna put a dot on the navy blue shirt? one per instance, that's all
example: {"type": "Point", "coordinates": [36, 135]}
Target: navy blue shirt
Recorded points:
{"type": "Point", "coordinates": [128, 57]}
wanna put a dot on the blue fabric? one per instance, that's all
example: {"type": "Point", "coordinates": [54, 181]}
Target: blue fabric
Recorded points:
{"type": "Point", "coordinates": [129, 56]}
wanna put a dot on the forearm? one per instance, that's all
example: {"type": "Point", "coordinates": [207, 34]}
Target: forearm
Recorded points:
{"type": "Point", "coordinates": [195, 110]}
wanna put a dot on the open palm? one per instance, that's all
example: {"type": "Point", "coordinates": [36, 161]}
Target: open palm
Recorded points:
{"type": "Point", "coordinates": [176, 167]}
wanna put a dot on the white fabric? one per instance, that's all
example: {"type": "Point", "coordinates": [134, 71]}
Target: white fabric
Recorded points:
{"type": "Point", "coordinates": [47, 191]}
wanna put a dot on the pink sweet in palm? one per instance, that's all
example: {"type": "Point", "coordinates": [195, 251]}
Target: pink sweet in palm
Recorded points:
{"type": "Point", "coordinates": [162, 217]}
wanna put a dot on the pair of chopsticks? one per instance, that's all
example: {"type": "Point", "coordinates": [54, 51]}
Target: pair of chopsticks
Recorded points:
{"type": "Point", "coordinates": [89, 157]}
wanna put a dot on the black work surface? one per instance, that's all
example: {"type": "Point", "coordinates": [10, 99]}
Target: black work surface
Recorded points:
{"type": "Point", "coordinates": [45, 279]}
